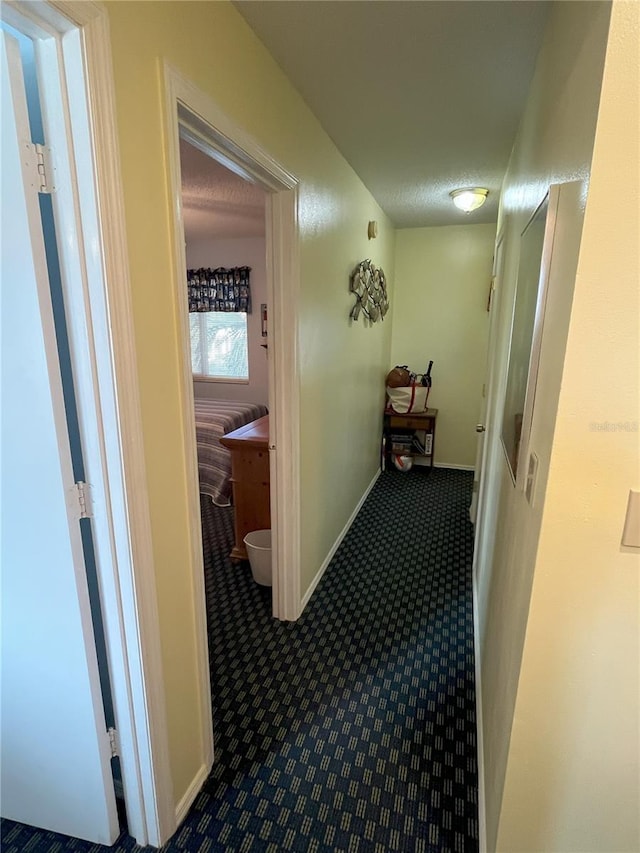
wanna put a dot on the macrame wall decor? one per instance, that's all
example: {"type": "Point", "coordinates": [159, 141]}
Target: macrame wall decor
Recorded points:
{"type": "Point", "coordinates": [370, 287]}
{"type": "Point", "coordinates": [222, 289]}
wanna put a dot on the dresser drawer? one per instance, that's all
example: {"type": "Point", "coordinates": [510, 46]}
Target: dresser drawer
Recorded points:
{"type": "Point", "coordinates": [411, 422]}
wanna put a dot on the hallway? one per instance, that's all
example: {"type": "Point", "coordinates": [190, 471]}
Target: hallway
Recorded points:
{"type": "Point", "coordinates": [354, 728]}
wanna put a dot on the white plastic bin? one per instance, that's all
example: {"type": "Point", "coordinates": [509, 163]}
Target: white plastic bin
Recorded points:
{"type": "Point", "coordinates": [258, 544]}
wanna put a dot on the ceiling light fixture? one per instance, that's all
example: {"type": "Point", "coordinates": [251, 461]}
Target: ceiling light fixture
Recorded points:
{"type": "Point", "coordinates": [470, 198]}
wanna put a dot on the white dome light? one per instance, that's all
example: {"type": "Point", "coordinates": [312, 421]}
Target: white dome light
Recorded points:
{"type": "Point", "coordinates": [469, 199]}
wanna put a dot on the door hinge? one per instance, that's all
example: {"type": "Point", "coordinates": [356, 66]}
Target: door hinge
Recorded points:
{"type": "Point", "coordinates": [40, 163]}
{"type": "Point", "coordinates": [113, 742]}
{"type": "Point", "coordinates": [83, 494]}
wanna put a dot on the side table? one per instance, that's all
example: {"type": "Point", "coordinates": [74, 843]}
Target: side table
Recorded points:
{"type": "Point", "coordinates": [399, 435]}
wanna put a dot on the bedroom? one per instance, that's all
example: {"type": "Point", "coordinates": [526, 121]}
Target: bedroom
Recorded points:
{"type": "Point", "coordinates": [224, 230]}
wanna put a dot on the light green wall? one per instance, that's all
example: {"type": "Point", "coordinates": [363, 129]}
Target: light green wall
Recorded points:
{"type": "Point", "coordinates": [440, 313]}
{"type": "Point", "coordinates": [573, 773]}
{"type": "Point", "coordinates": [554, 145]}
{"type": "Point", "coordinates": [341, 367]}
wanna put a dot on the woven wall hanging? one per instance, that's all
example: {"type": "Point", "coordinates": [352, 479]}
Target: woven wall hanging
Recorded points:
{"type": "Point", "coordinates": [370, 287]}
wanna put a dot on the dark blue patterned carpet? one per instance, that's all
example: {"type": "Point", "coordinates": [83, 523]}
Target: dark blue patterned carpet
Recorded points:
{"type": "Point", "coordinates": [352, 729]}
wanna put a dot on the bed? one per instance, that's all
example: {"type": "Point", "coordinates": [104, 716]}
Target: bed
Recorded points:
{"type": "Point", "coordinates": [215, 418]}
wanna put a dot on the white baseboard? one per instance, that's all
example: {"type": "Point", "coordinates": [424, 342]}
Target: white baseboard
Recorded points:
{"type": "Point", "coordinates": [482, 803]}
{"type": "Point", "coordinates": [454, 466]}
{"type": "Point", "coordinates": [191, 793]}
{"type": "Point", "coordinates": [425, 463]}
{"type": "Point", "coordinates": [336, 544]}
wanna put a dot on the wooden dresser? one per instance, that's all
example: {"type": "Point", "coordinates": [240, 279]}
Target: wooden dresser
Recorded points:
{"type": "Point", "coordinates": [249, 446]}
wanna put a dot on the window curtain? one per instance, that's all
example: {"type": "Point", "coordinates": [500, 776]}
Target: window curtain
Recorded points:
{"type": "Point", "coordinates": [222, 289]}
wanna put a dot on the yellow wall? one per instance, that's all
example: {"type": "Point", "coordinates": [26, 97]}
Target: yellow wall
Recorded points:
{"type": "Point", "coordinates": [554, 145]}
{"type": "Point", "coordinates": [341, 367]}
{"type": "Point", "coordinates": [573, 774]}
{"type": "Point", "coordinates": [440, 313]}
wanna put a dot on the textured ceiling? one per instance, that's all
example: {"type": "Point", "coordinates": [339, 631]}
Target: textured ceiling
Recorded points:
{"type": "Point", "coordinates": [421, 97]}
{"type": "Point", "coordinates": [215, 202]}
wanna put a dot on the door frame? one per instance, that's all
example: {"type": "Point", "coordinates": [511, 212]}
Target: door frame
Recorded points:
{"type": "Point", "coordinates": [215, 133]}
{"type": "Point", "coordinates": [79, 95]}
{"type": "Point", "coordinates": [486, 476]}
{"type": "Point", "coordinates": [54, 747]}
{"type": "Point", "coordinates": [492, 401]}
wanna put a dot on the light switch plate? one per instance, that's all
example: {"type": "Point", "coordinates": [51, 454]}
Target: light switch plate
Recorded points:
{"type": "Point", "coordinates": [631, 532]}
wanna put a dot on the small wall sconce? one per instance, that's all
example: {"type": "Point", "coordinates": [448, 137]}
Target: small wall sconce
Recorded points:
{"type": "Point", "coordinates": [372, 230]}
{"type": "Point", "coordinates": [470, 198]}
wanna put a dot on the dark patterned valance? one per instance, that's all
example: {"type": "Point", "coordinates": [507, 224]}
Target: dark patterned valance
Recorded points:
{"type": "Point", "coordinates": [222, 289]}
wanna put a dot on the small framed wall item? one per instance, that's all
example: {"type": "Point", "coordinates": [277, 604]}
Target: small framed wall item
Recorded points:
{"type": "Point", "coordinates": [263, 319]}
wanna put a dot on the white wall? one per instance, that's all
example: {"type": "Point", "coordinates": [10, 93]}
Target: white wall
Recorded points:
{"type": "Point", "coordinates": [554, 145]}
{"type": "Point", "coordinates": [440, 313]}
{"type": "Point", "coordinates": [573, 775]}
{"type": "Point", "coordinates": [238, 252]}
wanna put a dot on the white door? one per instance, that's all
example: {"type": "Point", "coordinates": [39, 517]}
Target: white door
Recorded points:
{"type": "Point", "coordinates": [485, 484]}
{"type": "Point", "coordinates": [481, 426]}
{"type": "Point", "coordinates": [55, 754]}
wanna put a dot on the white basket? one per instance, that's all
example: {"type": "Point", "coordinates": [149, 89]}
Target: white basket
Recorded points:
{"type": "Point", "coordinates": [258, 544]}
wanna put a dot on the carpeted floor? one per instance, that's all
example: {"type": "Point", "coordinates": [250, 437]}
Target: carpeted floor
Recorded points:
{"type": "Point", "coordinates": [352, 729]}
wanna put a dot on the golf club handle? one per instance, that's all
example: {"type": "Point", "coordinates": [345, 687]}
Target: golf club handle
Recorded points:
{"type": "Point", "coordinates": [426, 378]}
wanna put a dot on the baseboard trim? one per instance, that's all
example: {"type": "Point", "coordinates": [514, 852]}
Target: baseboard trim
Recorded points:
{"type": "Point", "coordinates": [424, 463]}
{"type": "Point", "coordinates": [454, 467]}
{"type": "Point", "coordinates": [482, 802]}
{"type": "Point", "coordinates": [336, 544]}
{"type": "Point", "coordinates": [191, 793]}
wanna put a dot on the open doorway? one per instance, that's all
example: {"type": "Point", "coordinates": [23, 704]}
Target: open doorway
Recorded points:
{"type": "Point", "coordinates": [194, 118]}
{"type": "Point", "coordinates": [226, 293]}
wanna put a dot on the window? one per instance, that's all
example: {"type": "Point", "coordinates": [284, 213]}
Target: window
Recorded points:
{"type": "Point", "coordinates": [219, 345]}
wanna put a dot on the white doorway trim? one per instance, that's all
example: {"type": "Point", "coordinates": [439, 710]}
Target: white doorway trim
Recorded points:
{"type": "Point", "coordinates": [193, 114]}
{"type": "Point", "coordinates": [72, 43]}
{"type": "Point", "coordinates": [484, 458]}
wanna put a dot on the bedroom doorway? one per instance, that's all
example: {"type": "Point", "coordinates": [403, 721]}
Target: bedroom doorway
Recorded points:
{"type": "Point", "coordinates": [194, 119]}
{"type": "Point", "coordinates": [224, 223]}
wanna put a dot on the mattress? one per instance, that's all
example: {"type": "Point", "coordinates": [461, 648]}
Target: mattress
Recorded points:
{"type": "Point", "coordinates": [215, 418]}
